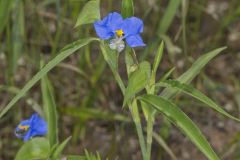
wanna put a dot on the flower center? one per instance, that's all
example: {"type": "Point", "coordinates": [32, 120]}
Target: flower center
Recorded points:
{"type": "Point", "coordinates": [119, 33]}
{"type": "Point", "coordinates": [23, 127]}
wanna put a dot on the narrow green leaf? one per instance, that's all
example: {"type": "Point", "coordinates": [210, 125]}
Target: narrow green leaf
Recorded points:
{"type": "Point", "coordinates": [192, 72]}
{"type": "Point", "coordinates": [36, 148]}
{"type": "Point", "coordinates": [168, 16]}
{"type": "Point", "coordinates": [196, 94]}
{"type": "Point", "coordinates": [50, 110]}
{"type": "Point", "coordinates": [137, 80]}
{"type": "Point", "coordinates": [64, 53]}
{"type": "Point", "coordinates": [59, 149]}
{"type": "Point", "coordinates": [127, 8]}
{"type": "Point", "coordinates": [181, 120]}
{"type": "Point", "coordinates": [166, 75]}
{"type": "Point", "coordinates": [158, 58]}
{"type": "Point", "coordinates": [164, 145]}
{"type": "Point", "coordinates": [89, 13]}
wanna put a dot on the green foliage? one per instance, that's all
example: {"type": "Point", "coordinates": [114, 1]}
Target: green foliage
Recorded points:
{"type": "Point", "coordinates": [50, 110]}
{"type": "Point", "coordinates": [181, 120]}
{"type": "Point", "coordinates": [88, 156]}
{"type": "Point", "coordinates": [168, 16]}
{"type": "Point", "coordinates": [127, 8]}
{"type": "Point", "coordinates": [196, 94]}
{"type": "Point", "coordinates": [18, 33]}
{"type": "Point", "coordinates": [86, 114]}
{"type": "Point", "coordinates": [5, 8]}
{"type": "Point", "coordinates": [89, 13]}
{"type": "Point", "coordinates": [193, 71]}
{"type": "Point", "coordinates": [57, 152]}
{"type": "Point", "coordinates": [64, 53]}
{"type": "Point", "coordinates": [157, 59]}
{"type": "Point", "coordinates": [111, 57]}
{"type": "Point", "coordinates": [140, 80]}
{"type": "Point", "coordinates": [137, 81]}
{"type": "Point", "coordinates": [36, 148]}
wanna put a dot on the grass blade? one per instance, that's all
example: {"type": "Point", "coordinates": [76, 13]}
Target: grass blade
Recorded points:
{"type": "Point", "coordinates": [167, 74]}
{"type": "Point", "coordinates": [158, 58]}
{"type": "Point", "coordinates": [18, 34]}
{"type": "Point", "coordinates": [5, 8]}
{"type": "Point", "coordinates": [64, 53]}
{"type": "Point", "coordinates": [168, 16]}
{"type": "Point", "coordinates": [181, 120]}
{"type": "Point", "coordinates": [60, 148]}
{"type": "Point", "coordinates": [164, 145]}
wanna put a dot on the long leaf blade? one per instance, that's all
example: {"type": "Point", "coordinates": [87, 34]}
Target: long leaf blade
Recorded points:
{"type": "Point", "coordinates": [196, 94]}
{"type": "Point", "coordinates": [158, 58]}
{"type": "Point", "coordinates": [67, 51]}
{"type": "Point", "coordinates": [50, 110]}
{"type": "Point", "coordinates": [192, 72]}
{"type": "Point", "coordinates": [60, 148]}
{"type": "Point", "coordinates": [5, 8]}
{"type": "Point", "coordinates": [181, 120]}
{"type": "Point", "coordinates": [168, 16]}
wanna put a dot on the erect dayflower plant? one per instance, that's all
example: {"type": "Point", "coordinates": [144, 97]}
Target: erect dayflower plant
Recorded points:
{"type": "Point", "coordinates": [117, 29]}
{"type": "Point", "coordinates": [34, 126]}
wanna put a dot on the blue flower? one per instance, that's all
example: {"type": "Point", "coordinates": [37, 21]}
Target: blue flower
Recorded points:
{"type": "Point", "coordinates": [35, 126]}
{"type": "Point", "coordinates": [114, 26]}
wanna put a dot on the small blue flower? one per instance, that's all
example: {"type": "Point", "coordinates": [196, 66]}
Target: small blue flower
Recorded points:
{"type": "Point", "coordinates": [114, 26]}
{"type": "Point", "coordinates": [35, 126]}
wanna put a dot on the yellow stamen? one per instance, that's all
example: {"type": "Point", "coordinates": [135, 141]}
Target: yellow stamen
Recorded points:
{"type": "Point", "coordinates": [119, 33]}
{"type": "Point", "coordinates": [23, 127]}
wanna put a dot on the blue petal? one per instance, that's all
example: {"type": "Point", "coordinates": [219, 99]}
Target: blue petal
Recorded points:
{"type": "Point", "coordinates": [102, 31]}
{"type": "Point", "coordinates": [114, 21]}
{"type": "Point", "coordinates": [132, 26]}
{"type": "Point", "coordinates": [38, 126]}
{"type": "Point", "coordinates": [135, 41]}
{"type": "Point", "coordinates": [106, 28]}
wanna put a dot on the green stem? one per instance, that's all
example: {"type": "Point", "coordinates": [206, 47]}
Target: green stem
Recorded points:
{"type": "Point", "coordinates": [132, 106]}
{"type": "Point", "coordinates": [136, 118]}
{"type": "Point", "coordinates": [149, 135]}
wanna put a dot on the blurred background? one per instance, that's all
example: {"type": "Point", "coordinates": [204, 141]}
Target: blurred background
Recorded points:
{"type": "Point", "coordinates": [89, 102]}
